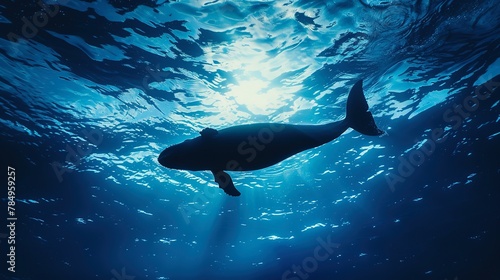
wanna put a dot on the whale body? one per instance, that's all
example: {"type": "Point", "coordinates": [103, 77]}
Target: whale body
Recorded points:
{"type": "Point", "coordinates": [256, 146]}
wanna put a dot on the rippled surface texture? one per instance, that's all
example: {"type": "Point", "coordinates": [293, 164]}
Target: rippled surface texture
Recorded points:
{"type": "Point", "coordinates": [92, 92]}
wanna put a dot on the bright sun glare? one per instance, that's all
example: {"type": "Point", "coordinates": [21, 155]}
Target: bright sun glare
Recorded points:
{"type": "Point", "coordinates": [255, 95]}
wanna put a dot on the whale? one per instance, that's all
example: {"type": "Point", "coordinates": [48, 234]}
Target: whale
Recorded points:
{"type": "Point", "coordinates": [256, 146]}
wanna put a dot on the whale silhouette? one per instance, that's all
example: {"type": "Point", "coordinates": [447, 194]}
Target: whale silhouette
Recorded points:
{"type": "Point", "coordinates": [256, 146]}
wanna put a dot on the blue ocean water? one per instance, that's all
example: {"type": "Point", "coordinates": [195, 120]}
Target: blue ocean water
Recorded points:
{"type": "Point", "coordinates": [93, 91]}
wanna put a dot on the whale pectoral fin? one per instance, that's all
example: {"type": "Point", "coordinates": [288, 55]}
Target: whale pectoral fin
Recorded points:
{"type": "Point", "coordinates": [208, 132]}
{"type": "Point", "coordinates": [225, 183]}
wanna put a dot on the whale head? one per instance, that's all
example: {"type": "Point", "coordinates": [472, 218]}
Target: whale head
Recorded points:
{"type": "Point", "coordinates": [186, 155]}
{"type": "Point", "coordinates": [169, 157]}
{"type": "Point", "coordinates": [174, 156]}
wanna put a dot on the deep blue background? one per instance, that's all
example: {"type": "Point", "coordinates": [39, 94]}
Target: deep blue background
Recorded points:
{"type": "Point", "coordinates": [146, 76]}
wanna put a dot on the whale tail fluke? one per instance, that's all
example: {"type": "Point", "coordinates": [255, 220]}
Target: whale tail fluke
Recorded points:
{"type": "Point", "coordinates": [357, 116]}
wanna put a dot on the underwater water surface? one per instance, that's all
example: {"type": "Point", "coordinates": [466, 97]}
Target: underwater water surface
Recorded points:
{"type": "Point", "coordinates": [93, 91]}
